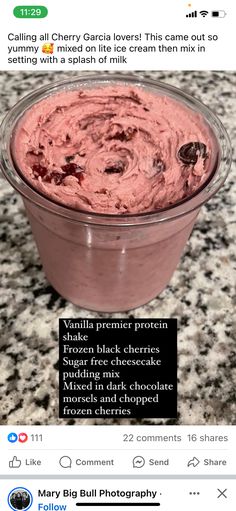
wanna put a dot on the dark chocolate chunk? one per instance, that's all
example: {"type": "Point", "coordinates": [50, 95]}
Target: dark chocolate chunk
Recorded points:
{"type": "Point", "coordinates": [159, 165]}
{"type": "Point", "coordinates": [68, 159]}
{"type": "Point", "coordinates": [115, 168]}
{"type": "Point", "coordinates": [189, 153]}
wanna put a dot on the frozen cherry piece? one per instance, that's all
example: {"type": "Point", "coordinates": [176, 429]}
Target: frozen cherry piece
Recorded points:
{"type": "Point", "coordinates": [190, 152]}
{"type": "Point", "coordinates": [69, 168]}
{"type": "Point", "coordinates": [159, 165]}
{"type": "Point", "coordinates": [39, 170]}
{"type": "Point", "coordinates": [79, 176]}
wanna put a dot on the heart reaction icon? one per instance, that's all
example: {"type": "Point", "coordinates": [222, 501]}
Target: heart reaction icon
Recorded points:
{"type": "Point", "coordinates": [22, 437]}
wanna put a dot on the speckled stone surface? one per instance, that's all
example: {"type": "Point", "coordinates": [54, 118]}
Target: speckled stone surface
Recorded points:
{"type": "Point", "coordinates": [202, 292]}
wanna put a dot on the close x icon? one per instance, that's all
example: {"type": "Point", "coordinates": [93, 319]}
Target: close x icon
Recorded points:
{"type": "Point", "coordinates": [222, 493]}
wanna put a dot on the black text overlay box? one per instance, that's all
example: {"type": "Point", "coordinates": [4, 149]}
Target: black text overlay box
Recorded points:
{"type": "Point", "coordinates": [118, 368]}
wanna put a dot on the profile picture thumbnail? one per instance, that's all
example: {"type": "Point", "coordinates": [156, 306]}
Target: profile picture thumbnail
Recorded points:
{"type": "Point", "coordinates": [20, 498]}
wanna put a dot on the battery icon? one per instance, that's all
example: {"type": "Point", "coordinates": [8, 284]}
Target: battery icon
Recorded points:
{"type": "Point", "coordinates": [218, 14]}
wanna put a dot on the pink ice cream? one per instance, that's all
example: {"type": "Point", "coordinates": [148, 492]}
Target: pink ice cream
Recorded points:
{"type": "Point", "coordinates": [113, 149]}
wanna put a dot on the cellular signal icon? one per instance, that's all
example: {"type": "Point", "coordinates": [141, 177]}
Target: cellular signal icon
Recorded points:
{"type": "Point", "coordinates": [192, 14]}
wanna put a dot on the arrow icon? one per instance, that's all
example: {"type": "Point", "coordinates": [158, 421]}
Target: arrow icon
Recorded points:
{"type": "Point", "coordinates": [194, 462]}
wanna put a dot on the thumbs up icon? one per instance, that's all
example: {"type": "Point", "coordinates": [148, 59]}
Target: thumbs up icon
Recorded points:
{"type": "Point", "coordinates": [14, 463]}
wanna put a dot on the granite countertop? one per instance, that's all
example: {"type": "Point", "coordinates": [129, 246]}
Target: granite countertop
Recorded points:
{"type": "Point", "coordinates": [202, 293]}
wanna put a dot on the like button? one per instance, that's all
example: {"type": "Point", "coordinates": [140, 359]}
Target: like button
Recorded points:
{"type": "Point", "coordinates": [14, 463]}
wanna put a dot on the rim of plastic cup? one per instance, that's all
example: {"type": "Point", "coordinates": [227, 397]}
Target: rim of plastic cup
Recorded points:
{"type": "Point", "coordinates": [181, 208]}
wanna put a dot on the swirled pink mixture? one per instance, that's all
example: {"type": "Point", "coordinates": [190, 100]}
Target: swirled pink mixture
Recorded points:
{"type": "Point", "coordinates": [113, 149]}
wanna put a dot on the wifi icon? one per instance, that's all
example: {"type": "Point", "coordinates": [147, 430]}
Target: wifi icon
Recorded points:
{"type": "Point", "coordinates": [204, 13]}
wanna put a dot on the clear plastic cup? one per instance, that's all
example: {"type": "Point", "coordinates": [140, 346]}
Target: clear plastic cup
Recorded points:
{"type": "Point", "coordinates": [112, 263]}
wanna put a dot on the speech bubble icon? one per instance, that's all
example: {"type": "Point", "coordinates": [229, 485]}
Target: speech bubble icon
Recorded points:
{"type": "Point", "coordinates": [65, 462]}
{"type": "Point", "coordinates": [138, 462]}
